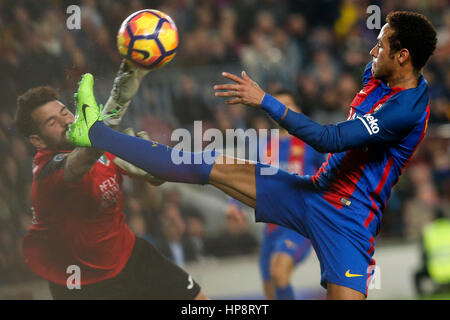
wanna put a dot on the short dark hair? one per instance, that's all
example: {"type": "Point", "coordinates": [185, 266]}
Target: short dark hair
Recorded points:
{"type": "Point", "coordinates": [27, 103]}
{"type": "Point", "coordinates": [414, 32]}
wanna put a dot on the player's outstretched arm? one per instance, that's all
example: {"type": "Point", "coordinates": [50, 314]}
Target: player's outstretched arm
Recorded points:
{"type": "Point", "coordinates": [384, 126]}
{"type": "Point", "coordinates": [126, 84]}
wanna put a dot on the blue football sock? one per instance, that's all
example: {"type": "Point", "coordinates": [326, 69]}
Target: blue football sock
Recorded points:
{"type": "Point", "coordinates": [285, 293]}
{"type": "Point", "coordinates": [152, 157]}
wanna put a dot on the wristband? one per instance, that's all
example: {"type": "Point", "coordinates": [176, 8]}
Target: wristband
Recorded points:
{"type": "Point", "coordinates": [273, 107]}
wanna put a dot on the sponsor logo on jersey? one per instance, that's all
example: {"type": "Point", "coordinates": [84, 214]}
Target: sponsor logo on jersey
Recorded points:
{"type": "Point", "coordinates": [371, 123]}
{"type": "Point", "coordinates": [110, 190]}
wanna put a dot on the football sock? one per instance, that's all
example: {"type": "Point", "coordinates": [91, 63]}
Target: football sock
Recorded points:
{"type": "Point", "coordinates": [285, 293]}
{"type": "Point", "coordinates": [153, 157]}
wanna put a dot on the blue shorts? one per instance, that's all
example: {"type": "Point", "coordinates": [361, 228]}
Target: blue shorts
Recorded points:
{"type": "Point", "coordinates": [282, 240]}
{"type": "Point", "coordinates": [343, 244]}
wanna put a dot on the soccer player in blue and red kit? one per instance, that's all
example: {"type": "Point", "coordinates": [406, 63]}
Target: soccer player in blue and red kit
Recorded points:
{"type": "Point", "coordinates": [339, 208]}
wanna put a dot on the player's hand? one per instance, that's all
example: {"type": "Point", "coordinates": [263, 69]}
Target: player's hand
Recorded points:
{"type": "Point", "coordinates": [245, 91]}
{"type": "Point", "coordinates": [126, 84]}
{"type": "Point", "coordinates": [131, 169]}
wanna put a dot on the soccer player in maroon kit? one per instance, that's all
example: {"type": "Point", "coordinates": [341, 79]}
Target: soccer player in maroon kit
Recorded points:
{"type": "Point", "coordinates": [77, 208]}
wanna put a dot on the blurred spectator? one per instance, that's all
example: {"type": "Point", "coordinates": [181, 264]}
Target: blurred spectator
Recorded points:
{"type": "Point", "coordinates": [175, 244]}
{"type": "Point", "coordinates": [196, 233]}
{"type": "Point", "coordinates": [271, 53]}
{"type": "Point", "coordinates": [420, 208]}
{"type": "Point", "coordinates": [188, 103]}
{"type": "Point", "coordinates": [136, 220]}
{"type": "Point", "coordinates": [236, 239]}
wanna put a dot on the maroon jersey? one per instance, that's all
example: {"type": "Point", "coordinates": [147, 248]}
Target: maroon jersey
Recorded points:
{"type": "Point", "coordinates": [78, 223]}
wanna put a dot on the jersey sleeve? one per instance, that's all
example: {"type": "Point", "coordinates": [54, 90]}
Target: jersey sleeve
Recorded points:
{"type": "Point", "coordinates": [51, 174]}
{"type": "Point", "coordinates": [389, 124]}
{"type": "Point", "coordinates": [53, 168]}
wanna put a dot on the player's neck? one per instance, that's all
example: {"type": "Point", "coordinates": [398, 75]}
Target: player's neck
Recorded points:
{"type": "Point", "coordinates": [404, 79]}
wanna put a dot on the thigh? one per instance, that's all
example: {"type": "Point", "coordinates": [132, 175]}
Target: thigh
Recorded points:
{"type": "Point", "coordinates": [60, 292]}
{"type": "Point", "coordinates": [343, 246]}
{"type": "Point", "coordinates": [147, 275]}
{"type": "Point", "coordinates": [237, 179]}
{"type": "Point", "coordinates": [109, 289]}
{"type": "Point", "coordinates": [280, 198]}
{"type": "Point", "coordinates": [153, 276]}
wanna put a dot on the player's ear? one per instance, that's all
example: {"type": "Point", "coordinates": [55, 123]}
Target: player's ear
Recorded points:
{"type": "Point", "coordinates": [403, 56]}
{"type": "Point", "coordinates": [37, 141]}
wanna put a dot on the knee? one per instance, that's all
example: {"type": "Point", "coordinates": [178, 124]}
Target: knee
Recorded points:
{"type": "Point", "coordinates": [280, 275]}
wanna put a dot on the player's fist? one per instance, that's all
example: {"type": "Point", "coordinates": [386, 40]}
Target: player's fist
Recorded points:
{"type": "Point", "coordinates": [126, 84]}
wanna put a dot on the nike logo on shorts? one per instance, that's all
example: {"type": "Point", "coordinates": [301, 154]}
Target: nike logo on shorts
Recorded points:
{"type": "Point", "coordinates": [351, 275]}
{"type": "Point", "coordinates": [190, 284]}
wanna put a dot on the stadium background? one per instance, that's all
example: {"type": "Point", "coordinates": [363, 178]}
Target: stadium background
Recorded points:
{"type": "Point", "coordinates": [316, 49]}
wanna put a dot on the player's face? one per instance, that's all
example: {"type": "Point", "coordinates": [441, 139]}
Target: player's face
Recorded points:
{"type": "Point", "coordinates": [52, 120]}
{"type": "Point", "coordinates": [383, 61]}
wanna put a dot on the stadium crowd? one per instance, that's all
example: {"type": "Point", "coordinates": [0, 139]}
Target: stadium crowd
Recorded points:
{"type": "Point", "coordinates": [315, 49]}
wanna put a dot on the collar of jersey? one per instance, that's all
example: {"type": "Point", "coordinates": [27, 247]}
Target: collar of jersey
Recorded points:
{"type": "Point", "coordinates": [421, 82]}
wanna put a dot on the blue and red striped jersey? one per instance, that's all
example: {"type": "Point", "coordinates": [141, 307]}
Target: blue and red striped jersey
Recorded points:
{"type": "Point", "coordinates": [368, 151]}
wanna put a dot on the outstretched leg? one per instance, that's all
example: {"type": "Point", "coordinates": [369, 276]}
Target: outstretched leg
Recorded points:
{"type": "Point", "coordinates": [89, 130]}
{"type": "Point", "coordinates": [235, 179]}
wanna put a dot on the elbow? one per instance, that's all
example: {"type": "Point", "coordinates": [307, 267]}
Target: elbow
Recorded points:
{"type": "Point", "coordinates": [326, 144]}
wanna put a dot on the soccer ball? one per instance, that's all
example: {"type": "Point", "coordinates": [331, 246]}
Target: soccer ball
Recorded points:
{"type": "Point", "coordinates": [148, 38]}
